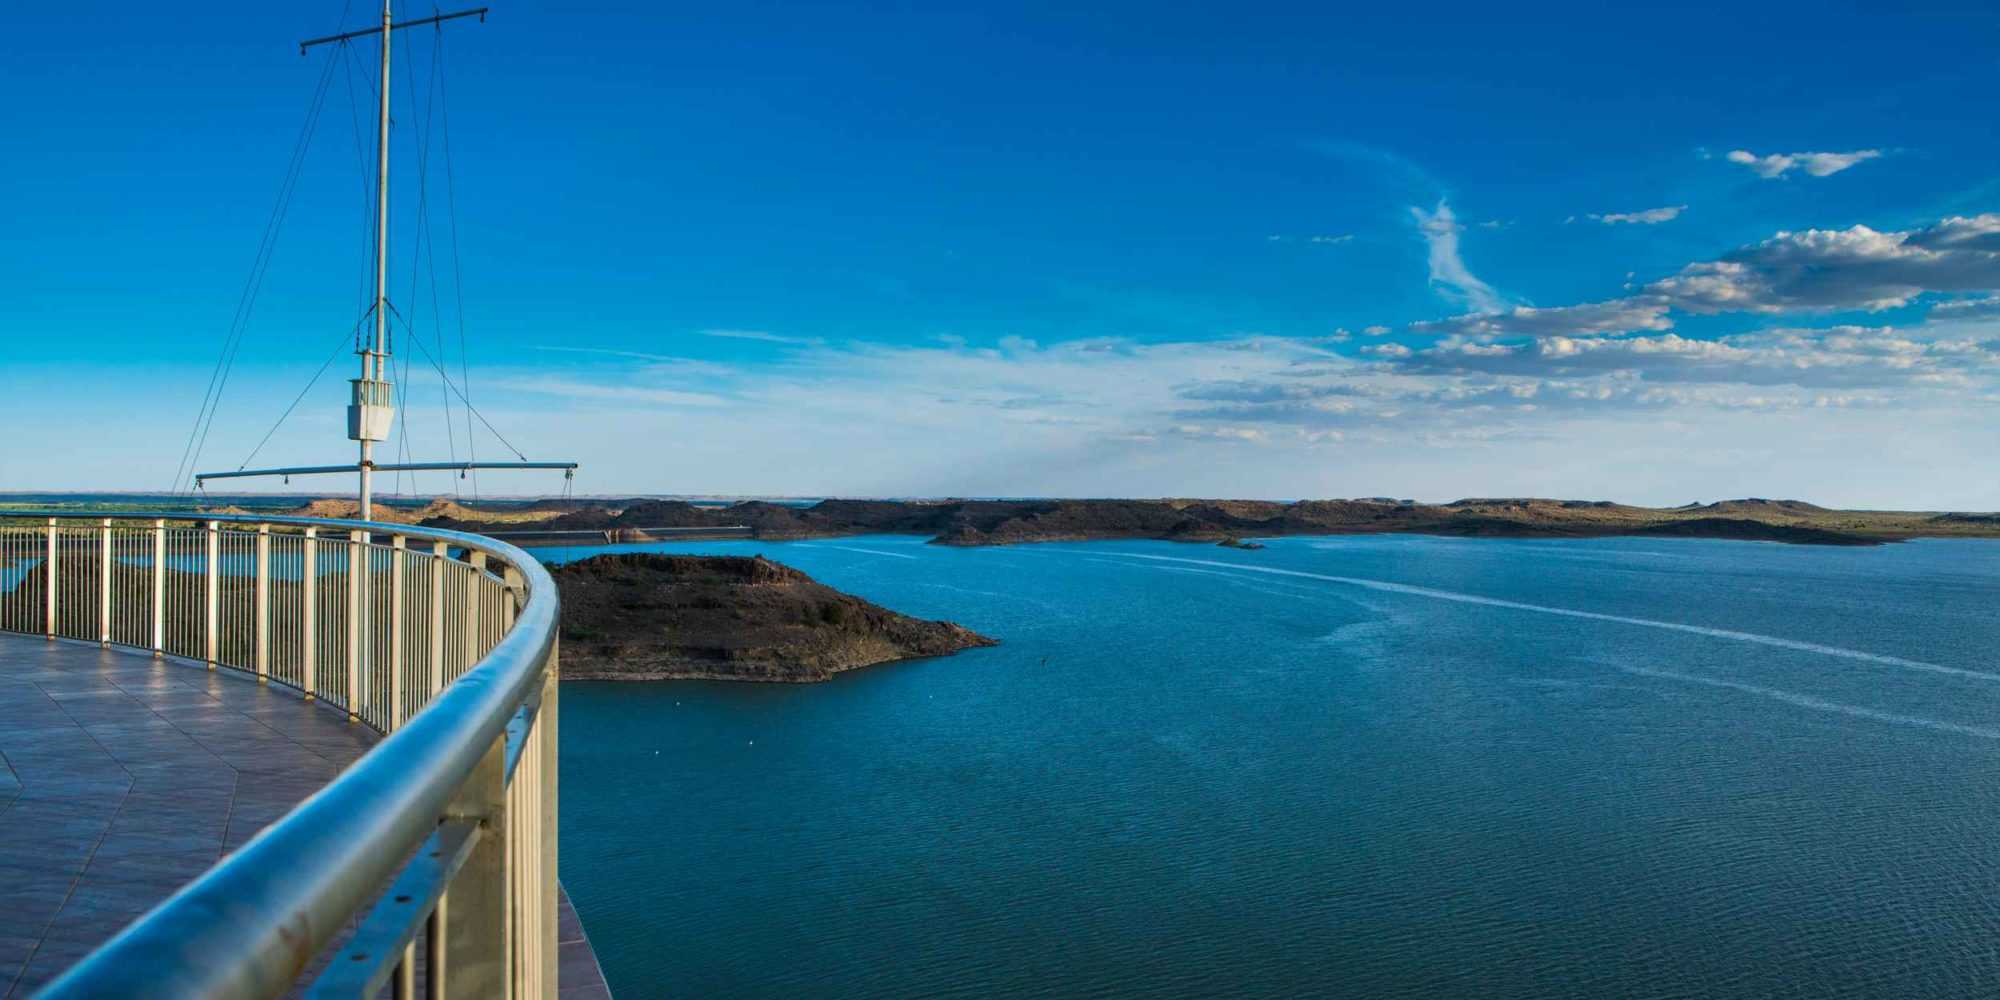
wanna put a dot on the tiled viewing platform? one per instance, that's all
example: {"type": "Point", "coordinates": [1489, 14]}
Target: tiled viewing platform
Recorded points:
{"type": "Point", "coordinates": [123, 776]}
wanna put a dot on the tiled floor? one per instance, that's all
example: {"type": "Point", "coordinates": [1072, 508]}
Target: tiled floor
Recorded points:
{"type": "Point", "coordinates": [123, 776]}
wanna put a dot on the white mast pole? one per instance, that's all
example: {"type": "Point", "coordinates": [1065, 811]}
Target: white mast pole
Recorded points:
{"type": "Point", "coordinates": [373, 363]}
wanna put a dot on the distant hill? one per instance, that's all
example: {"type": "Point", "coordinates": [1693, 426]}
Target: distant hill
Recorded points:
{"type": "Point", "coordinates": [1008, 522]}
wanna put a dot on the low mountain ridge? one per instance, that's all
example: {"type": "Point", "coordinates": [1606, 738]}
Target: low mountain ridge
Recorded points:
{"type": "Point", "coordinates": [1007, 522]}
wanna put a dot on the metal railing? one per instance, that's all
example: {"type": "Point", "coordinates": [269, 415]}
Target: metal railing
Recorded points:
{"type": "Point", "coordinates": [437, 849]}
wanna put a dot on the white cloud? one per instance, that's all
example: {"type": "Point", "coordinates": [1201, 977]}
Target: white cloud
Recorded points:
{"type": "Point", "coordinates": [1830, 269]}
{"type": "Point", "coordinates": [1776, 165]}
{"type": "Point", "coordinates": [1979, 232]}
{"type": "Point", "coordinates": [1440, 229]}
{"type": "Point", "coordinates": [1386, 351]}
{"type": "Point", "coordinates": [1812, 271]}
{"type": "Point", "coordinates": [1377, 330]}
{"type": "Point", "coordinates": [1648, 217]}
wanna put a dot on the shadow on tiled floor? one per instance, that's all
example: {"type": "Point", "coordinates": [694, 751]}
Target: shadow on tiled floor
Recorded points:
{"type": "Point", "coordinates": [122, 777]}
{"type": "Point", "coordinates": [125, 776]}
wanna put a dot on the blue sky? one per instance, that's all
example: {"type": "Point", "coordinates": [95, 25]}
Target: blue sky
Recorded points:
{"type": "Point", "coordinates": [1656, 254]}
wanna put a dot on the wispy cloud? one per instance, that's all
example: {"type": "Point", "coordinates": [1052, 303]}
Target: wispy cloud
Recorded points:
{"type": "Point", "coordinates": [1981, 307]}
{"type": "Point", "coordinates": [1776, 165]}
{"type": "Point", "coordinates": [759, 335]}
{"type": "Point", "coordinates": [1618, 316]}
{"type": "Point", "coordinates": [1440, 229]}
{"type": "Point", "coordinates": [1324, 240]}
{"type": "Point", "coordinates": [1254, 414]}
{"type": "Point", "coordinates": [1648, 217]}
{"type": "Point", "coordinates": [606, 352]}
{"type": "Point", "coordinates": [585, 389]}
{"type": "Point", "coordinates": [1842, 357]}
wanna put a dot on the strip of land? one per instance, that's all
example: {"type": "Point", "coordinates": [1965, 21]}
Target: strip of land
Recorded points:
{"type": "Point", "coordinates": [1008, 522]}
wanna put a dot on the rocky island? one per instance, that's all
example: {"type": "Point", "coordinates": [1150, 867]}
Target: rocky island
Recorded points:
{"type": "Point", "coordinates": [645, 616]}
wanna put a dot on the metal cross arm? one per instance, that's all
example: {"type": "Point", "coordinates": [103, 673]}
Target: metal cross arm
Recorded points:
{"type": "Point", "coordinates": [316, 470]}
{"type": "Point", "coordinates": [479, 12]}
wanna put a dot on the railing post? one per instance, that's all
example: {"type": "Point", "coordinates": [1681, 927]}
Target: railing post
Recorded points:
{"type": "Point", "coordinates": [545, 783]}
{"type": "Point", "coordinates": [309, 616]}
{"type": "Point", "coordinates": [477, 935]}
{"type": "Point", "coordinates": [437, 951]}
{"type": "Point", "coordinates": [403, 984]}
{"type": "Point", "coordinates": [356, 555]}
{"type": "Point", "coordinates": [516, 588]}
{"type": "Point", "coordinates": [49, 620]}
{"type": "Point", "coordinates": [436, 665]}
{"type": "Point", "coordinates": [104, 583]}
{"type": "Point", "coordinates": [214, 614]}
{"type": "Point", "coordinates": [474, 611]}
{"type": "Point", "coordinates": [400, 545]}
{"type": "Point", "coordinates": [159, 586]}
{"type": "Point", "coordinates": [262, 625]}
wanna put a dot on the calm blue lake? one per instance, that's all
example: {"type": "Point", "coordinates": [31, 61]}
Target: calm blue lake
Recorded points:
{"type": "Point", "coordinates": [1382, 767]}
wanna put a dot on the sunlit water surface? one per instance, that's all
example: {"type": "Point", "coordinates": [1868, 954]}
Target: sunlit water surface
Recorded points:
{"type": "Point", "coordinates": [1390, 766]}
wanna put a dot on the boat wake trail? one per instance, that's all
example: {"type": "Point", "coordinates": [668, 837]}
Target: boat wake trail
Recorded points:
{"type": "Point", "coordinates": [872, 552]}
{"type": "Point", "coordinates": [1494, 602]}
{"type": "Point", "coordinates": [1821, 704]}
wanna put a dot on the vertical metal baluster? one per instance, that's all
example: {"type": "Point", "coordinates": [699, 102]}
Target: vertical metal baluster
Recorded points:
{"type": "Point", "coordinates": [309, 613]}
{"type": "Point", "coordinates": [510, 604]}
{"type": "Point", "coordinates": [355, 553]}
{"type": "Point", "coordinates": [214, 576]}
{"type": "Point", "coordinates": [49, 599]}
{"type": "Point", "coordinates": [159, 586]}
{"type": "Point", "coordinates": [547, 731]}
{"type": "Point", "coordinates": [436, 665]}
{"type": "Point", "coordinates": [403, 985]}
{"type": "Point", "coordinates": [399, 546]}
{"type": "Point", "coordinates": [261, 609]}
{"type": "Point", "coordinates": [474, 601]}
{"type": "Point", "coordinates": [104, 583]}
{"type": "Point", "coordinates": [434, 950]}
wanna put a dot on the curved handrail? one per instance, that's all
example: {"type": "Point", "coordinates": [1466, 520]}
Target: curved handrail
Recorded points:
{"type": "Point", "coordinates": [250, 926]}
